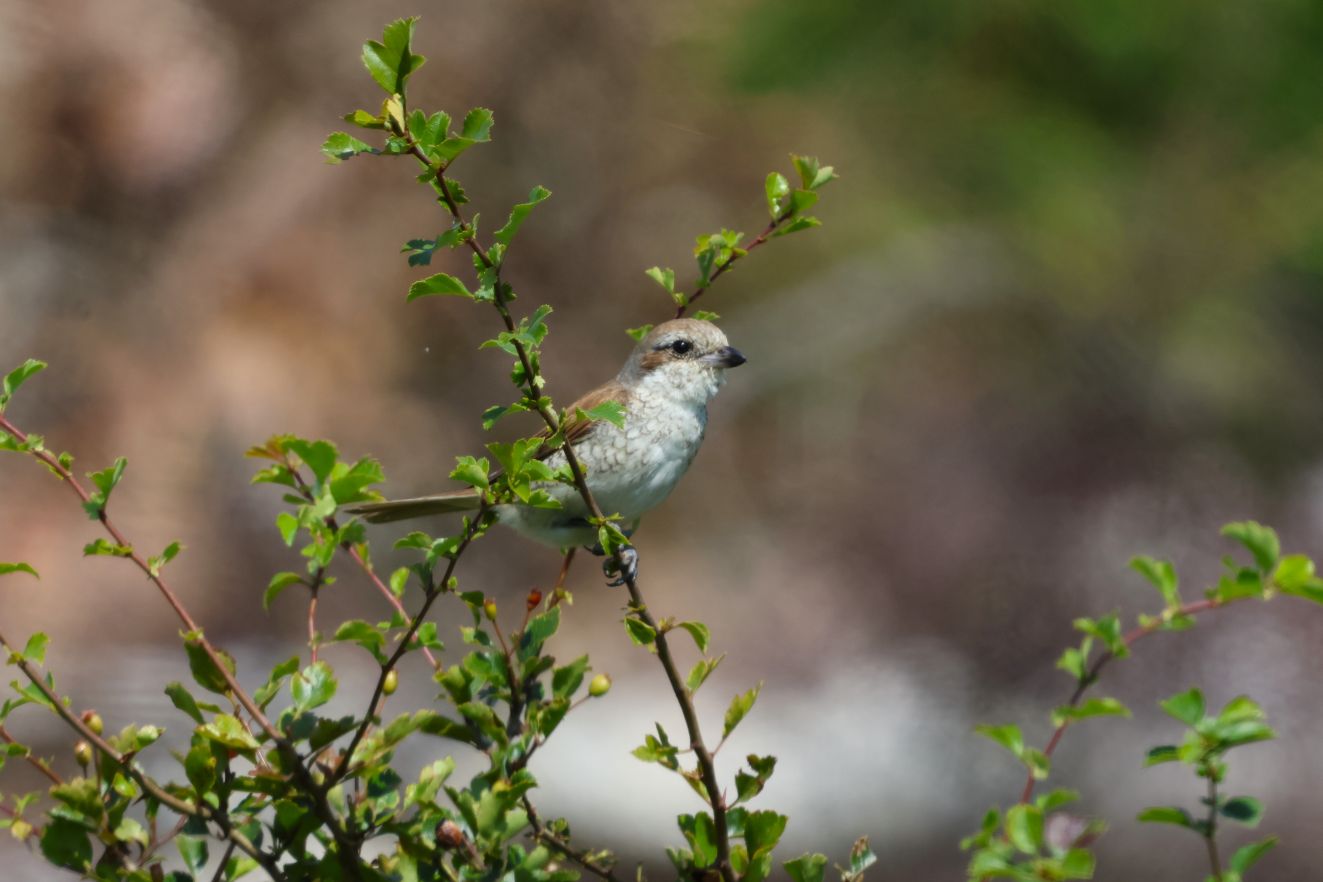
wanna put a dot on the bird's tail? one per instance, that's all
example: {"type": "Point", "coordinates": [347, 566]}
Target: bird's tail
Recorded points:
{"type": "Point", "coordinates": [406, 509]}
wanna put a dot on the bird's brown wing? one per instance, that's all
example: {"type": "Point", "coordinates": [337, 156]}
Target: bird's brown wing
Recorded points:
{"type": "Point", "coordinates": [578, 429]}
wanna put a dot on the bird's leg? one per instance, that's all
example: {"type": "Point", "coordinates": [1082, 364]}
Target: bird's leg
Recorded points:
{"type": "Point", "coordinates": [629, 569]}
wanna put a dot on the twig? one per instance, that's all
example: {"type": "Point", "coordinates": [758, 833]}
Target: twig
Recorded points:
{"type": "Point", "coordinates": [760, 240]}
{"type": "Point", "coordinates": [1090, 677]}
{"type": "Point", "coordinates": [582, 858]}
{"type": "Point", "coordinates": [1210, 827]}
{"type": "Point", "coordinates": [35, 761]}
{"type": "Point", "coordinates": [225, 859]}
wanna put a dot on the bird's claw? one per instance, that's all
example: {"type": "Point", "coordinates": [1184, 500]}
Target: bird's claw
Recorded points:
{"type": "Point", "coordinates": [627, 571]}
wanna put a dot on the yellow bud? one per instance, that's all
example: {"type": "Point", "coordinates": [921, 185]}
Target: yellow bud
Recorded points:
{"type": "Point", "coordinates": [490, 609]}
{"type": "Point", "coordinates": [83, 753]}
{"type": "Point", "coordinates": [600, 685]}
{"type": "Point", "coordinates": [391, 683]}
{"type": "Point", "coordinates": [94, 722]}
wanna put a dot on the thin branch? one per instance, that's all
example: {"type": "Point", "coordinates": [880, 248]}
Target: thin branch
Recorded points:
{"type": "Point", "coordinates": [581, 857]}
{"type": "Point", "coordinates": [1091, 676]}
{"type": "Point", "coordinates": [760, 240]}
{"type": "Point", "coordinates": [1210, 827]}
{"type": "Point", "coordinates": [35, 761]}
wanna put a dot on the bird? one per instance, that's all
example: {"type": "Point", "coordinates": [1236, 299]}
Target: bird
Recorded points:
{"type": "Point", "coordinates": [664, 389]}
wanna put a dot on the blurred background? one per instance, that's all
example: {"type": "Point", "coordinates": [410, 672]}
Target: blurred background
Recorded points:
{"type": "Point", "coordinates": [1066, 307]}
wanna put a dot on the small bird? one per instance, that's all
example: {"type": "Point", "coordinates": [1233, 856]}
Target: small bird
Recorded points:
{"type": "Point", "coordinates": [664, 388]}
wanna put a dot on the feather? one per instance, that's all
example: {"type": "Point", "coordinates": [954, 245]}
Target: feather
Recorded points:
{"type": "Point", "coordinates": [420, 506]}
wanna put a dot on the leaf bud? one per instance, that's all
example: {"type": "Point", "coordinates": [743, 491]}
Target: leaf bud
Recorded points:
{"type": "Point", "coordinates": [93, 721]}
{"type": "Point", "coordinates": [600, 685]}
{"type": "Point", "coordinates": [534, 598]}
{"type": "Point", "coordinates": [83, 754]}
{"type": "Point", "coordinates": [391, 682]}
{"type": "Point", "coordinates": [489, 608]}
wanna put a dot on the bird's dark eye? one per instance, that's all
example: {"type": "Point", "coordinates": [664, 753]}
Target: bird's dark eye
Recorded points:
{"type": "Point", "coordinates": [681, 347]}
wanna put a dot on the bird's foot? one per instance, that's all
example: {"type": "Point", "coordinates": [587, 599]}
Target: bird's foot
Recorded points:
{"type": "Point", "coordinates": [627, 571]}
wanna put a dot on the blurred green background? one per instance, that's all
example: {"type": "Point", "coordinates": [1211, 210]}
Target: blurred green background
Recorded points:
{"type": "Point", "coordinates": [1067, 307]}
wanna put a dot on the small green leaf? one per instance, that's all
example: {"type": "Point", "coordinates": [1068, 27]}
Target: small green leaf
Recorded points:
{"type": "Point", "coordinates": [701, 670]}
{"type": "Point", "coordinates": [7, 568]}
{"type": "Point", "coordinates": [288, 525]}
{"type": "Point", "coordinates": [663, 277]}
{"type": "Point", "coordinates": [612, 412]}
{"type": "Point", "coordinates": [776, 188]}
{"type": "Point", "coordinates": [704, 315]}
{"type": "Point", "coordinates": [100, 546]}
{"type": "Point", "coordinates": [811, 174]}
{"type": "Point", "coordinates": [391, 61]}
{"type": "Point", "coordinates": [699, 632]}
{"type": "Point", "coordinates": [1024, 827]}
{"type": "Point", "coordinates": [65, 843]}
{"type": "Point", "coordinates": [441, 283]}
{"type": "Point", "coordinates": [17, 377]}
{"type": "Point", "coordinates": [154, 564]}
{"type": "Point", "coordinates": [1163, 576]}
{"type": "Point", "coordinates": [184, 700]}
{"type": "Point", "coordinates": [35, 650]}
{"type": "Point", "coordinates": [1163, 753]}
{"type": "Point", "coordinates": [204, 670]}
{"type": "Point", "coordinates": [105, 480]}
{"type": "Point", "coordinates": [365, 635]}
{"type": "Point", "coordinates": [1248, 855]}
{"type": "Point", "coordinates": [638, 333]}
{"type": "Point", "coordinates": [1244, 810]}
{"type": "Point", "coordinates": [226, 730]}
{"type": "Point", "coordinates": [640, 631]}
{"type": "Point", "coordinates": [279, 582]}
{"type": "Point", "coordinates": [505, 235]}
{"type": "Point", "coordinates": [806, 868]}
{"type": "Point", "coordinates": [1261, 541]}
{"type": "Point", "coordinates": [740, 706]}
{"type": "Point", "coordinates": [193, 849]}
{"type": "Point", "coordinates": [313, 686]}
{"type": "Point", "coordinates": [1188, 707]}
{"type": "Point", "coordinates": [1166, 815]}
{"type": "Point", "coordinates": [1008, 736]}
{"type": "Point", "coordinates": [340, 146]}
{"type": "Point", "coordinates": [1093, 707]}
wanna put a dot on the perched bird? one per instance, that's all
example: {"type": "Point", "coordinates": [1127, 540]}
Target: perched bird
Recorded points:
{"type": "Point", "coordinates": [664, 388]}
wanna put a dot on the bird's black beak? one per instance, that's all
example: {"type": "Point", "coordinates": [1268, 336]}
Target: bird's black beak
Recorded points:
{"type": "Point", "coordinates": [729, 356]}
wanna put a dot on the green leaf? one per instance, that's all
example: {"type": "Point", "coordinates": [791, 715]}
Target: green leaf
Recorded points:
{"type": "Point", "coordinates": [612, 412]}
{"type": "Point", "coordinates": [663, 277]}
{"type": "Point", "coordinates": [861, 857]}
{"type": "Point", "coordinates": [1079, 863]}
{"type": "Point", "coordinates": [565, 681]}
{"type": "Point", "coordinates": [1108, 631]}
{"type": "Point", "coordinates": [65, 843]}
{"type": "Point", "coordinates": [806, 868]}
{"type": "Point", "coordinates": [638, 333]}
{"type": "Point", "coordinates": [701, 670]}
{"type": "Point", "coordinates": [640, 631]}
{"type": "Point", "coordinates": [704, 315]}
{"type": "Point", "coordinates": [811, 174]}
{"type": "Point", "coordinates": [1188, 707]}
{"type": "Point", "coordinates": [193, 849]}
{"type": "Point", "coordinates": [536, 633]}
{"type": "Point", "coordinates": [154, 564]}
{"type": "Point", "coordinates": [1093, 707]}
{"type": "Point", "coordinates": [7, 568]}
{"type": "Point", "coordinates": [365, 635]}
{"type": "Point", "coordinates": [740, 706]}
{"type": "Point", "coordinates": [1007, 736]}
{"type": "Point", "coordinates": [17, 377]}
{"type": "Point", "coordinates": [441, 283]}
{"type": "Point", "coordinates": [1248, 855]}
{"type": "Point", "coordinates": [100, 546]}
{"type": "Point", "coordinates": [1261, 541]}
{"type": "Point", "coordinates": [701, 834]}
{"type": "Point", "coordinates": [776, 188]}
{"type": "Point", "coordinates": [1243, 810]}
{"type": "Point", "coordinates": [204, 670]}
{"type": "Point", "coordinates": [505, 235]}
{"type": "Point", "coordinates": [226, 730]}
{"type": "Point", "coordinates": [184, 700]}
{"type": "Point", "coordinates": [313, 686]}
{"type": "Point", "coordinates": [279, 582]}
{"type": "Point", "coordinates": [699, 632]}
{"type": "Point", "coordinates": [478, 125]}
{"type": "Point", "coordinates": [1163, 576]}
{"type": "Point", "coordinates": [391, 61]}
{"type": "Point", "coordinates": [340, 146]}
{"type": "Point", "coordinates": [1024, 827]}
{"type": "Point", "coordinates": [1166, 815]}
{"type": "Point", "coordinates": [747, 786]}
{"type": "Point", "coordinates": [1163, 753]}
{"type": "Point", "coordinates": [35, 650]}
{"type": "Point", "coordinates": [105, 480]}
{"type": "Point", "coordinates": [288, 525]}
{"type": "Point", "coordinates": [762, 832]}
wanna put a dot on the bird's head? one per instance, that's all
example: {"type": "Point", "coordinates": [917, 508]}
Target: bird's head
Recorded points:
{"type": "Point", "coordinates": [685, 358]}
